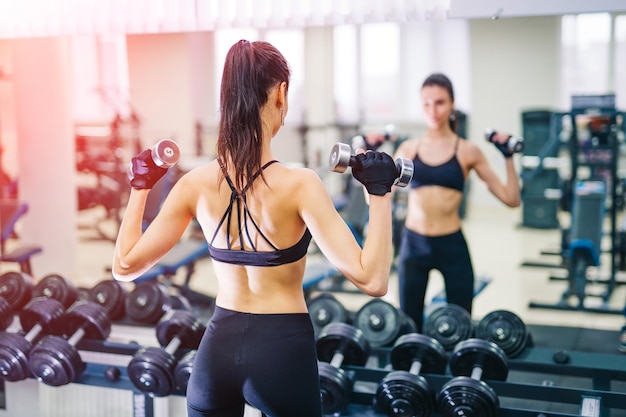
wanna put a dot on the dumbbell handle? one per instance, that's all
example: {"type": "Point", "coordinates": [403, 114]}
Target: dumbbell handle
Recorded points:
{"type": "Point", "coordinates": [173, 345]}
{"type": "Point", "coordinates": [337, 360]}
{"type": "Point", "coordinates": [33, 332]}
{"type": "Point", "coordinates": [76, 337]}
{"type": "Point", "coordinates": [416, 367]}
{"type": "Point", "coordinates": [477, 373]}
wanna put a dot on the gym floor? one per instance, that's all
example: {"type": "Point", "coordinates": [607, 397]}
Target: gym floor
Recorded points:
{"type": "Point", "coordinates": [498, 245]}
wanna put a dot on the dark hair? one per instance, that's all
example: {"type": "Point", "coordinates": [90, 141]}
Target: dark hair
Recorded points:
{"type": "Point", "coordinates": [440, 80]}
{"type": "Point", "coordinates": [250, 70]}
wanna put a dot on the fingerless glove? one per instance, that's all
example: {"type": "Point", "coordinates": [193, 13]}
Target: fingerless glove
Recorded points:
{"type": "Point", "coordinates": [144, 173]}
{"type": "Point", "coordinates": [377, 171]}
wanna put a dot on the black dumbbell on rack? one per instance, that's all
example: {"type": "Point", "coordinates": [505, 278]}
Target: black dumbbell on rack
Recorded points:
{"type": "Point", "coordinates": [449, 324]}
{"type": "Point", "coordinates": [55, 359]}
{"type": "Point", "coordinates": [325, 309]}
{"type": "Point", "coordinates": [382, 323]}
{"type": "Point", "coordinates": [16, 289]}
{"type": "Point", "coordinates": [58, 287]}
{"type": "Point", "coordinates": [183, 369]}
{"type": "Point", "coordinates": [507, 330]}
{"type": "Point", "coordinates": [404, 391]}
{"type": "Point", "coordinates": [341, 158]}
{"type": "Point", "coordinates": [339, 344]}
{"type": "Point", "coordinates": [150, 300]}
{"type": "Point", "coordinates": [152, 369]}
{"type": "Point", "coordinates": [36, 318]}
{"type": "Point", "coordinates": [467, 394]}
{"type": "Point", "coordinates": [111, 295]}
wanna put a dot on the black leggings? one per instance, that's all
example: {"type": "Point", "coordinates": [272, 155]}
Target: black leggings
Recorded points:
{"type": "Point", "coordinates": [418, 255]}
{"type": "Point", "coordinates": [266, 360]}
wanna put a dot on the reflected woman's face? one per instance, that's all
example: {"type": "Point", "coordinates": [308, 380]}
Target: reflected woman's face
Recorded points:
{"type": "Point", "coordinates": [437, 106]}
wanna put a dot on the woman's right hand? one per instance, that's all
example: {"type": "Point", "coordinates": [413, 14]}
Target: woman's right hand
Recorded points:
{"type": "Point", "coordinates": [377, 171]}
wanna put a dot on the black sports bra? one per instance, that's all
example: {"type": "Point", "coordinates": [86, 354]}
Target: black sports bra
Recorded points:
{"type": "Point", "coordinates": [252, 257]}
{"type": "Point", "coordinates": [448, 175]}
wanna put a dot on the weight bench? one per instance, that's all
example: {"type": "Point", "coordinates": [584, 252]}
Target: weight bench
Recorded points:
{"type": "Point", "coordinates": [10, 213]}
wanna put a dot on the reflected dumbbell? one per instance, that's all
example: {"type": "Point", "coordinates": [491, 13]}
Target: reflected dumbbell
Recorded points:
{"type": "Point", "coordinates": [449, 324]}
{"type": "Point", "coordinates": [506, 329]}
{"type": "Point", "coordinates": [36, 318]}
{"type": "Point", "coordinates": [152, 369]}
{"type": "Point", "coordinates": [325, 309]}
{"type": "Point", "coordinates": [382, 323]}
{"type": "Point", "coordinates": [16, 289]}
{"type": "Point", "coordinates": [55, 360]}
{"type": "Point", "coordinates": [111, 295]}
{"type": "Point", "coordinates": [165, 154]}
{"type": "Point", "coordinates": [467, 394]}
{"type": "Point", "coordinates": [150, 300]}
{"type": "Point", "coordinates": [341, 158]}
{"type": "Point", "coordinates": [58, 287]}
{"type": "Point", "coordinates": [404, 392]}
{"type": "Point", "coordinates": [513, 143]}
{"type": "Point", "coordinates": [339, 344]}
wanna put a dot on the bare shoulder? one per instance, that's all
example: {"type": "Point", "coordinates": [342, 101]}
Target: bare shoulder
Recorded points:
{"type": "Point", "coordinates": [408, 148]}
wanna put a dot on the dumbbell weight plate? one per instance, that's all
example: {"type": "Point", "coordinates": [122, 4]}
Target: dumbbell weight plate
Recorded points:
{"type": "Point", "coordinates": [165, 153]}
{"type": "Point", "coordinates": [54, 361]}
{"type": "Point", "coordinates": [151, 370]}
{"type": "Point", "coordinates": [57, 287]}
{"type": "Point", "coordinates": [415, 346]}
{"type": "Point", "coordinates": [14, 350]}
{"type": "Point", "coordinates": [179, 302]}
{"type": "Point", "coordinates": [449, 324]}
{"type": "Point", "coordinates": [180, 323]}
{"type": "Point", "coordinates": [147, 302]}
{"type": "Point", "coordinates": [89, 316]}
{"type": "Point", "coordinates": [335, 388]}
{"type": "Point", "coordinates": [325, 309]}
{"type": "Point", "coordinates": [339, 158]}
{"type": "Point", "coordinates": [380, 322]}
{"type": "Point", "coordinates": [401, 393]}
{"type": "Point", "coordinates": [471, 352]}
{"type": "Point", "coordinates": [506, 329]}
{"type": "Point", "coordinates": [464, 396]}
{"type": "Point", "coordinates": [347, 338]}
{"type": "Point", "coordinates": [16, 288]}
{"type": "Point", "coordinates": [112, 296]}
{"type": "Point", "coordinates": [183, 369]}
{"type": "Point", "coordinates": [6, 314]}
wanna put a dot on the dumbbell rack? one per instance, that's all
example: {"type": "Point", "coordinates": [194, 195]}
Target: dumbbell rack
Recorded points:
{"type": "Point", "coordinates": [601, 369]}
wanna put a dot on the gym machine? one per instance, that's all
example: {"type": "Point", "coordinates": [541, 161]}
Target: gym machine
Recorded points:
{"type": "Point", "coordinates": [592, 197]}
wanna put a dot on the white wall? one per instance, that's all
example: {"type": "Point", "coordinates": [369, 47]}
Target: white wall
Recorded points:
{"type": "Point", "coordinates": [514, 67]}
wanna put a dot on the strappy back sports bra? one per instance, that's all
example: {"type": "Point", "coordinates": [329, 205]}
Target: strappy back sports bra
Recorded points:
{"type": "Point", "coordinates": [252, 257]}
{"type": "Point", "coordinates": [448, 175]}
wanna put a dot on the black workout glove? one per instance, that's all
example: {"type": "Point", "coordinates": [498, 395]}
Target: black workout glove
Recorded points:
{"type": "Point", "coordinates": [377, 171]}
{"type": "Point", "coordinates": [502, 147]}
{"type": "Point", "coordinates": [504, 150]}
{"type": "Point", "coordinates": [144, 173]}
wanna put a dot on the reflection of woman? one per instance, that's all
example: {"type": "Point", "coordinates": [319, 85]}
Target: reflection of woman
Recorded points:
{"type": "Point", "coordinates": [258, 216]}
{"type": "Point", "coordinates": [432, 236]}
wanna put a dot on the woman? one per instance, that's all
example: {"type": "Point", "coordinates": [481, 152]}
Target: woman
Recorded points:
{"type": "Point", "coordinates": [432, 236]}
{"type": "Point", "coordinates": [258, 217]}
